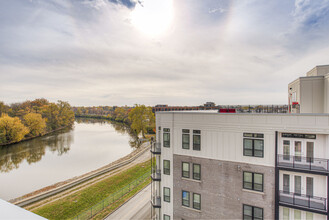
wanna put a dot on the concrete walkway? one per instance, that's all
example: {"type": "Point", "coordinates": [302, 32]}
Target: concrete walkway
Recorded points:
{"type": "Point", "coordinates": [138, 207]}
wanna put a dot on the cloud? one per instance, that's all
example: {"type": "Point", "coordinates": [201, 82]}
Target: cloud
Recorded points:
{"type": "Point", "coordinates": [89, 53]}
{"type": "Point", "coordinates": [128, 3]}
{"type": "Point", "coordinates": [214, 10]}
{"type": "Point", "coordinates": [310, 14]}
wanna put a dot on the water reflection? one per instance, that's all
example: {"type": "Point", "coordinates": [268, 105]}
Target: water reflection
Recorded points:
{"type": "Point", "coordinates": [119, 128]}
{"type": "Point", "coordinates": [33, 150]}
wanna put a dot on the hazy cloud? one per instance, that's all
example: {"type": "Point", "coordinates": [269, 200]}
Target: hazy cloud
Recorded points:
{"type": "Point", "coordinates": [89, 52]}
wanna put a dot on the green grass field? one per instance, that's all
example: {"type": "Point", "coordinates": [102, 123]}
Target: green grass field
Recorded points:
{"type": "Point", "coordinates": [74, 204]}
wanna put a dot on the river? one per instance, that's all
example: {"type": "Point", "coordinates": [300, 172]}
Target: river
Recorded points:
{"type": "Point", "coordinates": [43, 161]}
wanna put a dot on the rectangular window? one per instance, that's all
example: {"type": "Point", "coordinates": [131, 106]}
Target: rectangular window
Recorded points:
{"type": "Point", "coordinates": [166, 194]}
{"type": "Point", "coordinates": [298, 151]}
{"type": "Point", "coordinates": [310, 152]}
{"type": "Point", "coordinates": [294, 97]}
{"type": "Point", "coordinates": [186, 198]}
{"type": "Point", "coordinates": [286, 183]}
{"type": "Point", "coordinates": [166, 167]}
{"type": "Point", "coordinates": [186, 139]}
{"type": "Point", "coordinates": [196, 201]}
{"type": "Point", "coordinates": [297, 214]}
{"type": "Point", "coordinates": [253, 181]}
{"type": "Point", "coordinates": [286, 150]}
{"type": "Point", "coordinates": [309, 186]}
{"type": "Point", "coordinates": [166, 137]}
{"type": "Point", "coordinates": [309, 216]}
{"type": "Point", "coordinates": [166, 217]}
{"type": "Point", "coordinates": [298, 185]}
{"type": "Point", "coordinates": [285, 213]}
{"type": "Point", "coordinates": [253, 147]}
{"type": "Point", "coordinates": [197, 171]}
{"type": "Point", "coordinates": [196, 140]}
{"type": "Point", "coordinates": [185, 170]}
{"type": "Point", "coordinates": [252, 213]}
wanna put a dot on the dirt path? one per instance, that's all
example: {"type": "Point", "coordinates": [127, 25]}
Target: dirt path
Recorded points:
{"type": "Point", "coordinates": [144, 156]}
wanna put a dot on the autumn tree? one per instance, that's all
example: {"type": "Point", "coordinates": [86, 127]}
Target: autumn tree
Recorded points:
{"type": "Point", "coordinates": [35, 123]}
{"type": "Point", "coordinates": [120, 114]}
{"type": "Point", "coordinates": [3, 108]}
{"type": "Point", "coordinates": [141, 117]}
{"type": "Point", "coordinates": [51, 113]}
{"type": "Point", "coordinates": [37, 104]}
{"type": "Point", "coordinates": [79, 111]}
{"type": "Point", "coordinates": [66, 115]}
{"type": "Point", "coordinates": [11, 129]}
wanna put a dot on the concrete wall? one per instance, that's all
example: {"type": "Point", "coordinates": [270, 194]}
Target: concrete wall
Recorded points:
{"type": "Point", "coordinates": [318, 71]}
{"type": "Point", "coordinates": [312, 95]}
{"type": "Point", "coordinates": [326, 94]}
{"type": "Point", "coordinates": [312, 92]}
{"type": "Point", "coordinates": [221, 189]}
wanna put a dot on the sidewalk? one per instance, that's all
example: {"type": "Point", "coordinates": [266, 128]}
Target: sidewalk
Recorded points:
{"type": "Point", "coordinates": [139, 207]}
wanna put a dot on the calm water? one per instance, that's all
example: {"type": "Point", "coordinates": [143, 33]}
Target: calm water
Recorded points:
{"type": "Point", "coordinates": [43, 161]}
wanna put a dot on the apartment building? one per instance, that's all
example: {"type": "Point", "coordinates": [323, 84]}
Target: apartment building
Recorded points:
{"type": "Point", "coordinates": [212, 165]}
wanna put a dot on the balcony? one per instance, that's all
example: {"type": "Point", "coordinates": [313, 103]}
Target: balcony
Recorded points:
{"type": "Point", "coordinates": [156, 175]}
{"type": "Point", "coordinates": [303, 163]}
{"type": "Point", "coordinates": [156, 148]}
{"type": "Point", "coordinates": [156, 201]}
{"type": "Point", "coordinates": [304, 201]}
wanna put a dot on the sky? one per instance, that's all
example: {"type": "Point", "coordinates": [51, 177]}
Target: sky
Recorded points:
{"type": "Point", "coordinates": [175, 52]}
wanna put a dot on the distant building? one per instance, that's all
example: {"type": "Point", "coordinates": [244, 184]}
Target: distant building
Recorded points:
{"type": "Point", "coordinates": [310, 94]}
{"type": "Point", "coordinates": [209, 104]}
{"type": "Point", "coordinates": [212, 165]}
{"type": "Point", "coordinates": [206, 106]}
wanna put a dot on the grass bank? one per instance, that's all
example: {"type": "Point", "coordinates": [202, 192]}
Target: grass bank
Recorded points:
{"type": "Point", "coordinates": [109, 209]}
{"type": "Point", "coordinates": [71, 205]}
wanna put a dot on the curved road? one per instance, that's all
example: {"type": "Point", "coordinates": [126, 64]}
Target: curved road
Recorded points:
{"type": "Point", "coordinates": [138, 207]}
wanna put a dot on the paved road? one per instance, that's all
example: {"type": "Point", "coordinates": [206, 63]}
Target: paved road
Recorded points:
{"type": "Point", "coordinates": [139, 207]}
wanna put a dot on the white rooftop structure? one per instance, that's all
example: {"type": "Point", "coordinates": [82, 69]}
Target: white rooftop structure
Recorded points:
{"type": "Point", "coordinates": [10, 211]}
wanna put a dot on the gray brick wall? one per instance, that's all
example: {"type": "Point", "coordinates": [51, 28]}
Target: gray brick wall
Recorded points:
{"type": "Point", "coordinates": [222, 194]}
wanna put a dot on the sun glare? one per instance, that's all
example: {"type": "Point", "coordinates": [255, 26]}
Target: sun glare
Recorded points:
{"type": "Point", "coordinates": [152, 17]}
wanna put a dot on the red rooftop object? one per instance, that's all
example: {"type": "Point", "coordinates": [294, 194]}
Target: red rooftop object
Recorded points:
{"type": "Point", "coordinates": [227, 110]}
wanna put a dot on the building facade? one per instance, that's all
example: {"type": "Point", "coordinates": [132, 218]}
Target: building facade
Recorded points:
{"type": "Point", "coordinates": [212, 165]}
{"type": "Point", "coordinates": [310, 94]}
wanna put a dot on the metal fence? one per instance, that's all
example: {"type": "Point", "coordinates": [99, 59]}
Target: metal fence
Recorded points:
{"type": "Point", "coordinates": [304, 163]}
{"type": "Point", "coordinates": [312, 202]}
{"type": "Point", "coordinates": [259, 108]}
{"type": "Point", "coordinates": [88, 214]}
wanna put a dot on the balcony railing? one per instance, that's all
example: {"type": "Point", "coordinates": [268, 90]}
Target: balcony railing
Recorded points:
{"type": "Point", "coordinates": [303, 163]}
{"type": "Point", "coordinates": [156, 174]}
{"type": "Point", "coordinates": [156, 148]}
{"type": "Point", "coordinates": [156, 201]}
{"type": "Point", "coordinates": [311, 202]}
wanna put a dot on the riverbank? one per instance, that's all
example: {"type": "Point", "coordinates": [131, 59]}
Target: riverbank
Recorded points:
{"type": "Point", "coordinates": [147, 135]}
{"type": "Point", "coordinates": [102, 117]}
{"type": "Point", "coordinates": [77, 202]}
{"type": "Point", "coordinates": [31, 138]}
{"type": "Point", "coordinates": [63, 186]}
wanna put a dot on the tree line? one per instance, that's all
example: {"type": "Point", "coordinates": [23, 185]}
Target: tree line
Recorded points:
{"type": "Point", "coordinates": [140, 118]}
{"type": "Point", "coordinates": [33, 118]}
